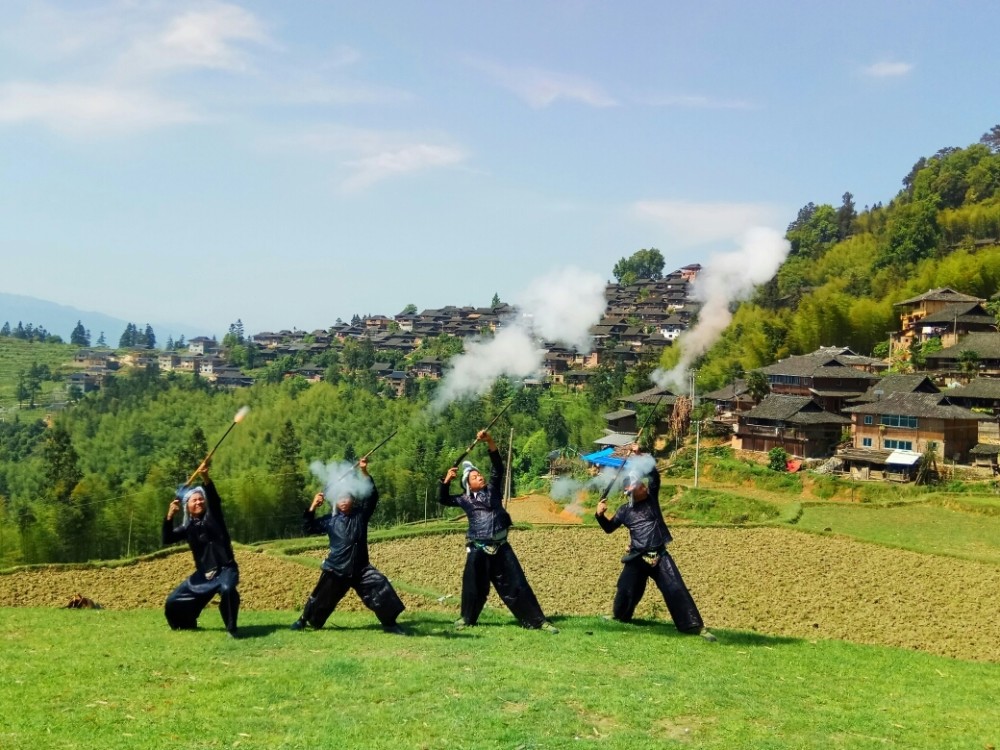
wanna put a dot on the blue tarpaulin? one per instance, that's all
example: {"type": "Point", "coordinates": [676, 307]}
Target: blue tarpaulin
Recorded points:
{"type": "Point", "coordinates": [603, 458]}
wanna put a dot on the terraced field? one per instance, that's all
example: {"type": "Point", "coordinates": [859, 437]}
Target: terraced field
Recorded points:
{"type": "Point", "coordinates": [776, 581]}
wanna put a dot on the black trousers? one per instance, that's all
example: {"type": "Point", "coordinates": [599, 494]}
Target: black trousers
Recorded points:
{"type": "Point", "coordinates": [186, 602]}
{"type": "Point", "coordinates": [505, 573]}
{"type": "Point", "coordinates": [371, 585]}
{"type": "Point", "coordinates": [632, 585]}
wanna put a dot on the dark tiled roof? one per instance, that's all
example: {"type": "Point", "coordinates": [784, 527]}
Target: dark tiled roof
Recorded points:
{"type": "Point", "coordinates": [927, 405]}
{"type": "Point", "coordinates": [729, 392]}
{"type": "Point", "coordinates": [899, 384]}
{"type": "Point", "coordinates": [650, 396]}
{"type": "Point", "coordinates": [611, 416]}
{"type": "Point", "coordinates": [821, 363]}
{"type": "Point", "coordinates": [978, 388]}
{"type": "Point", "coordinates": [960, 312]}
{"type": "Point", "coordinates": [986, 345]}
{"type": "Point", "coordinates": [944, 294]}
{"type": "Point", "coordinates": [794, 410]}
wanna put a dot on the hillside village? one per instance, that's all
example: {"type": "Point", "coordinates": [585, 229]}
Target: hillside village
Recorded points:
{"type": "Point", "coordinates": [640, 320]}
{"type": "Point", "coordinates": [874, 417]}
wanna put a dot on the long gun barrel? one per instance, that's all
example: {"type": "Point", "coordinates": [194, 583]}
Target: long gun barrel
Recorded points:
{"type": "Point", "coordinates": [236, 420]}
{"type": "Point", "coordinates": [358, 462]}
{"type": "Point", "coordinates": [472, 445]}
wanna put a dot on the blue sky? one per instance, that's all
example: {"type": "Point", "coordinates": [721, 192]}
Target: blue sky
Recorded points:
{"type": "Point", "coordinates": [293, 162]}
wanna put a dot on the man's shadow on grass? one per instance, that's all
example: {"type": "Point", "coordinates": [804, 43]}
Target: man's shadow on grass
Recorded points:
{"type": "Point", "coordinates": [417, 626]}
{"type": "Point", "coordinates": [725, 637]}
{"type": "Point", "coordinates": [245, 632]}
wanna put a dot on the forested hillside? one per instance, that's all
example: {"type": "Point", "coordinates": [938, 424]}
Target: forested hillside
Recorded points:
{"type": "Point", "coordinates": [846, 269]}
{"type": "Point", "coordinates": [96, 483]}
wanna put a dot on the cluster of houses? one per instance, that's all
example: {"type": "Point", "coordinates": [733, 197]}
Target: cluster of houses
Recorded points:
{"type": "Point", "coordinates": [829, 404]}
{"type": "Point", "coordinates": [640, 319]}
{"type": "Point", "coordinates": [836, 404]}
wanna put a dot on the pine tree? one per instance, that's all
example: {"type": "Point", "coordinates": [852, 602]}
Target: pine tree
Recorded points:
{"type": "Point", "coordinates": [5, 331]}
{"type": "Point", "coordinates": [79, 337]}
{"type": "Point", "coordinates": [286, 473]}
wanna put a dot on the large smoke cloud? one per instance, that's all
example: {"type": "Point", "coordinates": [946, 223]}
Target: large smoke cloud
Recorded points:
{"type": "Point", "coordinates": [726, 278]}
{"type": "Point", "coordinates": [340, 479]}
{"type": "Point", "coordinates": [560, 308]}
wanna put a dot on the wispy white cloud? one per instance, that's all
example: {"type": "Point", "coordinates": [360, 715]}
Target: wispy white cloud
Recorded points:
{"type": "Point", "coordinates": [689, 223]}
{"type": "Point", "coordinates": [84, 110]}
{"type": "Point", "coordinates": [541, 88]}
{"type": "Point", "coordinates": [210, 38]}
{"type": "Point", "coordinates": [372, 156]}
{"type": "Point", "coordinates": [888, 69]}
{"type": "Point", "coordinates": [415, 157]}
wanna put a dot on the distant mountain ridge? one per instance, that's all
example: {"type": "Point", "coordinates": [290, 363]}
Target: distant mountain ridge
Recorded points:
{"type": "Point", "coordinates": [60, 320]}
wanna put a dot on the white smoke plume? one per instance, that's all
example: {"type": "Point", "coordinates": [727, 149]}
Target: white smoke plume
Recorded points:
{"type": "Point", "coordinates": [340, 478]}
{"type": "Point", "coordinates": [568, 488]}
{"type": "Point", "coordinates": [725, 279]}
{"type": "Point", "coordinates": [559, 307]}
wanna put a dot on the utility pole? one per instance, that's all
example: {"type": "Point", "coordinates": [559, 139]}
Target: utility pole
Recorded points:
{"type": "Point", "coordinates": [697, 449]}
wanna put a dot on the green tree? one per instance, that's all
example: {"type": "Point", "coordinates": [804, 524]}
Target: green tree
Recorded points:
{"type": "Point", "coordinates": [190, 455]}
{"type": "Point", "coordinates": [777, 459]}
{"type": "Point", "coordinates": [556, 429]}
{"type": "Point", "coordinates": [912, 234]}
{"type": "Point", "coordinates": [235, 336]}
{"type": "Point", "coordinates": [815, 229]}
{"type": "Point", "coordinates": [991, 139]}
{"type": "Point", "coordinates": [79, 336]}
{"type": "Point", "coordinates": [61, 462]}
{"type": "Point", "coordinates": [968, 361]}
{"type": "Point", "coordinates": [21, 392]}
{"type": "Point", "coordinates": [285, 466]}
{"type": "Point", "coordinates": [642, 264]}
{"type": "Point", "coordinates": [846, 216]}
{"type": "Point", "coordinates": [757, 385]}
{"type": "Point", "coordinates": [129, 337]}
{"type": "Point", "coordinates": [5, 330]}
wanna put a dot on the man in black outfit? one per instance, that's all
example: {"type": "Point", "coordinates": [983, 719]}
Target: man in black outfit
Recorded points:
{"type": "Point", "coordinates": [347, 566]}
{"type": "Point", "coordinates": [216, 571]}
{"type": "Point", "coordinates": [489, 557]}
{"type": "Point", "coordinates": [647, 556]}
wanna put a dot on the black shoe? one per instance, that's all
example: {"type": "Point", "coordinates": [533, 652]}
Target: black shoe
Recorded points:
{"type": "Point", "coordinates": [394, 629]}
{"type": "Point", "coordinates": [299, 624]}
{"type": "Point", "coordinates": [232, 633]}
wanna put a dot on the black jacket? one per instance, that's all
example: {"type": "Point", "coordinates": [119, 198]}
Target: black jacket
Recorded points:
{"type": "Point", "coordinates": [348, 534]}
{"type": "Point", "coordinates": [488, 521]}
{"type": "Point", "coordinates": [207, 536]}
{"type": "Point", "coordinates": [643, 519]}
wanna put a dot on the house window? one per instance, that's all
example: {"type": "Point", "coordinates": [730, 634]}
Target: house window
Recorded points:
{"type": "Point", "coordinates": [866, 442]}
{"type": "Point", "coordinates": [897, 420]}
{"type": "Point", "coordinates": [869, 419]}
{"type": "Point", "coordinates": [899, 445]}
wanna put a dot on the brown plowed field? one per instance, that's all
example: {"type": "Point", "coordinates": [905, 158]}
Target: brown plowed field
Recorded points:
{"type": "Point", "coordinates": [777, 582]}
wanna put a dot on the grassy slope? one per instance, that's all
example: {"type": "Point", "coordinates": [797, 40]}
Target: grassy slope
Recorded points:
{"type": "Point", "coordinates": [122, 680]}
{"type": "Point", "coordinates": [17, 355]}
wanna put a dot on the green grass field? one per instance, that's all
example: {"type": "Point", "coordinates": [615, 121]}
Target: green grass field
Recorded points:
{"type": "Point", "coordinates": [922, 528]}
{"type": "Point", "coordinates": [102, 679]}
{"type": "Point", "coordinates": [18, 356]}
